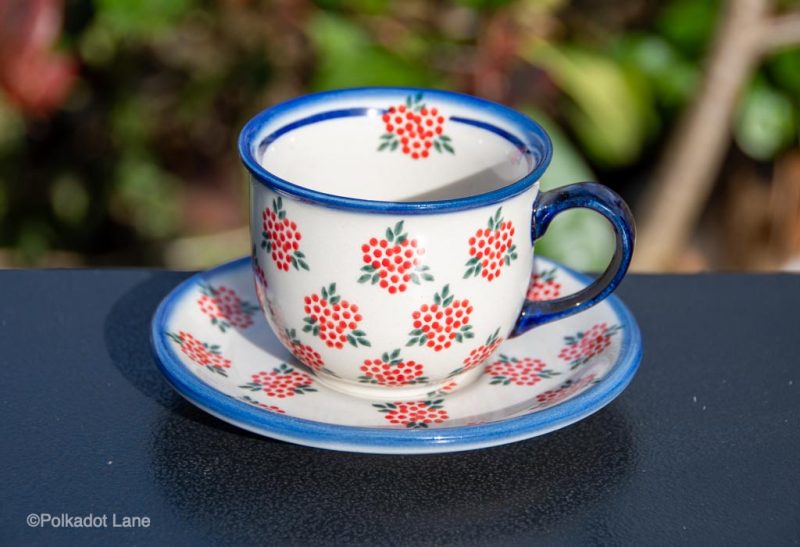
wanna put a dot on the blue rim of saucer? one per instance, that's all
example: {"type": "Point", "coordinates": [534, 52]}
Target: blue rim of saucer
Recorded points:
{"type": "Point", "coordinates": [391, 441]}
{"type": "Point", "coordinates": [531, 137]}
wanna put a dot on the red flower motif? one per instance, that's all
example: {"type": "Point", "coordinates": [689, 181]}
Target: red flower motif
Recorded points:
{"type": "Point", "coordinates": [415, 414]}
{"type": "Point", "coordinates": [392, 370]}
{"type": "Point", "coordinates": [281, 238]}
{"type": "Point", "coordinates": [201, 353]}
{"type": "Point", "coordinates": [305, 354]}
{"type": "Point", "coordinates": [481, 353]}
{"type": "Point", "coordinates": [393, 262]}
{"type": "Point", "coordinates": [491, 248]}
{"type": "Point", "coordinates": [281, 382]}
{"type": "Point", "coordinates": [439, 324]}
{"type": "Point", "coordinates": [565, 390]}
{"type": "Point", "coordinates": [587, 344]}
{"type": "Point", "coordinates": [334, 320]}
{"type": "Point", "coordinates": [544, 286]}
{"type": "Point", "coordinates": [414, 129]}
{"type": "Point", "coordinates": [444, 390]}
{"type": "Point", "coordinates": [521, 372]}
{"type": "Point", "coordinates": [225, 308]}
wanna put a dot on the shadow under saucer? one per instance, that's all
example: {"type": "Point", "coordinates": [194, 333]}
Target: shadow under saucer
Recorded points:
{"type": "Point", "coordinates": [294, 494]}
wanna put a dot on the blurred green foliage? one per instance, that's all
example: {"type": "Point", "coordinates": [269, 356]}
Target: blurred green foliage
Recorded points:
{"type": "Point", "coordinates": [348, 57]}
{"type": "Point", "coordinates": [143, 148]}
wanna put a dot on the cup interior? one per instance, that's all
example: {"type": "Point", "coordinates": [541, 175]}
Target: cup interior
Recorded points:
{"type": "Point", "coordinates": [396, 145]}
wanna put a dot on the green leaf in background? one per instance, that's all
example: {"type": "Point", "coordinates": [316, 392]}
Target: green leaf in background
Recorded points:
{"type": "Point", "coordinates": [671, 77]}
{"type": "Point", "coordinates": [145, 197]}
{"type": "Point", "coordinates": [12, 126]}
{"type": "Point", "coordinates": [140, 19]}
{"type": "Point", "coordinates": [97, 45]}
{"type": "Point", "coordinates": [765, 121]}
{"type": "Point", "coordinates": [580, 239]}
{"type": "Point", "coordinates": [689, 24]}
{"type": "Point", "coordinates": [485, 4]}
{"type": "Point", "coordinates": [69, 199]}
{"type": "Point", "coordinates": [609, 111]}
{"type": "Point", "coordinates": [348, 57]}
{"type": "Point", "coordinates": [359, 6]}
{"type": "Point", "coordinates": [34, 240]}
{"type": "Point", "coordinates": [784, 69]}
{"type": "Point", "coordinates": [131, 123]}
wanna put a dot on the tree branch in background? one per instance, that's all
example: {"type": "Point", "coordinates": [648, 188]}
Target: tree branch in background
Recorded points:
{"type": "Point", "coordinates": [685, 174]}
{"type": "Point", "coordinates": [780, 32]}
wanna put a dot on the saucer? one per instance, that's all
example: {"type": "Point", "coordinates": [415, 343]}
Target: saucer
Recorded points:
{"type": "Point", "coordinates": [215, 348]}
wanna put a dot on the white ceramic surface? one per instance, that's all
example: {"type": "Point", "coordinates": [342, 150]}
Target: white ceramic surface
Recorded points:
{"type": "Point", "coordinates": [438, 290]}
{"type": "Point", "coordinates": [393, 232]}
{"type": "Point", "coordinates": [216, 349]}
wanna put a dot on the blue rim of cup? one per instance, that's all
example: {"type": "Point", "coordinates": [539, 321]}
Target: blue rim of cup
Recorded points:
{"type": "Point", "coordinates": [530, 133]}
{"type": "Point", "coordinates": [387, 441]}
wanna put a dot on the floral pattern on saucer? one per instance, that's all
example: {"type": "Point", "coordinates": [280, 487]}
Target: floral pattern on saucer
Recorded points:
{"type": "Point", "coordinates": [544, 367]}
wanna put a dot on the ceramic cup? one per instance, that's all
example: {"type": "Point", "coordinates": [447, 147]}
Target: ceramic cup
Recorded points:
{"type": "Point", "coordinates": [393, 233]}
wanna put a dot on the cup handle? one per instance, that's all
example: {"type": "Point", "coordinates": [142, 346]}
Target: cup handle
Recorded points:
{"type": "Point", "coordinates": [587, 195]}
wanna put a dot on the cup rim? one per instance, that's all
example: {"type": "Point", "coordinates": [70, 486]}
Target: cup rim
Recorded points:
{"type": "Point", "coordinates": [252, 129]}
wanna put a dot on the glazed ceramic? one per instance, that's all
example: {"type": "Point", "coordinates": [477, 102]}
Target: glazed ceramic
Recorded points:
{"type": "Point", "coordinates": [393, 234]}
{"type": "Point", "coordinates": [214, 346]}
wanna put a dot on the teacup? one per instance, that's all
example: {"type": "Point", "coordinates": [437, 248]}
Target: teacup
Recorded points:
{"type": "Point", "coordinates": [393, 234]}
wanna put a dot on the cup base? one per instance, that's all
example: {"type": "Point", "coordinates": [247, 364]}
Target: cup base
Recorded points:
{"type": "Point", "coordinates": [416, 392]}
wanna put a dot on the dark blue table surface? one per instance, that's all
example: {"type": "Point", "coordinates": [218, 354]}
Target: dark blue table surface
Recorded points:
{"type": "Point", "coordinates": [703, 448]}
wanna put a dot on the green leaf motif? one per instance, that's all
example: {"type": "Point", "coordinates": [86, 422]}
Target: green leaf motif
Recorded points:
{"type": "Point", "coordinates": [218, 370]}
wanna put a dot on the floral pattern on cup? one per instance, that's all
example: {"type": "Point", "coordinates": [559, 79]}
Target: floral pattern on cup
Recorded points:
{"type": "Point", "coordinates": [414, 129]}
{"type": "Point", "coordinates": [438, 325]}
{"type": "Point", "coordinates": [414, 414]}
{"type": "Point", "coordinates": [544, 286]}
{"type": "Point", "coordinates": [201, 353]}
{"type": "Point", "coordinates": [519, 374]}
{"type": "Point", "coordinates": [527, 371]}
{"type": "Point", "coordinates": [491, 248]}
{"type": "Point", "coordinates": [332, 319]}
{"type": "Point", "coordinates": [225, 308]}
{"type": "Point", "coordinates": [261, 276]}
{"type": "Point", "coordinates": [281, 382]}
{"type": "Point", "coordinates": [393, 261]}
{"type": "Point", "coordinates": [280, 238]}
{"type": "Point", "coordinates": [390, 369]}
{"type": "Point", "coordinates": [304, 353]}
{"type": "Point", "coordinates": [587, 344]}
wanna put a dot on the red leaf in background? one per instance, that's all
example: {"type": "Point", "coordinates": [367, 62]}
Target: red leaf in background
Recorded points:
{"type": "Point", "coordinates": [34, 77]}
